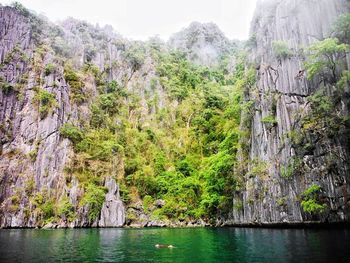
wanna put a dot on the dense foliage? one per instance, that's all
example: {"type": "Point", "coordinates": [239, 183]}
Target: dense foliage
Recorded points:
{"type": "Point", "coordinates": [171, 139]}
{"type": "Point", "coordinates": [325, 58]}
{"type": "Point", "coordinates": [310, 202]}
{"type": "Point", "coordinates": [183, 154]}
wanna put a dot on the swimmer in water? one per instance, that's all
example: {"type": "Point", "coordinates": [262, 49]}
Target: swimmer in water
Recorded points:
{"type": "Point", "coordinates": [164, 246]}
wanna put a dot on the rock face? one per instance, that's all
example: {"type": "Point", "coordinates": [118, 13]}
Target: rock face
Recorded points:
{"type": "Point", "coordinates": [23, 132]}
{"type": "Point", "coordinates": [38, 165]}
{"type": "Point", "coordinates": [113, 211]}
{"type": "Point", "coordinates": [270, 197]}
{"type": "Point", "coordinates": [33, 153]}
{"type": "Point", "coordinates": [204, 44]}
{"type": "Point", "coordinates": [35, 157]}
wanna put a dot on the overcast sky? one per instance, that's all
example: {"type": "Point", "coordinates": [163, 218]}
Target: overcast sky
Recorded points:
{"type": "Point", "coordinates": [140, 19]}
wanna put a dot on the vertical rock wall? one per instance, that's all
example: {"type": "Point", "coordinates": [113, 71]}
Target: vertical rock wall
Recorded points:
{"type": "Point", "coordinates": [33, 154]}
{"type": "Point", "coordinates": [267, 196]}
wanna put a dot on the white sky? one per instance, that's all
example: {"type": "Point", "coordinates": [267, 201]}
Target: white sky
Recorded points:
{"type": "Point", "coordinates": [140, 19]}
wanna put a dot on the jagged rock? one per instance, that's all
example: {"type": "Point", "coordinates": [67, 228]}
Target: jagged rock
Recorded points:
{"type": "Point", "coordinates": [29, 134]}
{"type": "Point", "coordinates": [159, 203]}
{"type": "Point", "coordinates": [272, 198]}
{"type": "Point", "coordinates": [157, 223]}
{"type": "Point", "coordinates": [33, 153]}
{"type": "Point", "coordinates": [49, 225]}
{"type": "Point", "coordinates": [113, 211]}
{"type": "Point", "coordinates": [203, 44]}
{"type": "Point", "coordinates": [137, 206]}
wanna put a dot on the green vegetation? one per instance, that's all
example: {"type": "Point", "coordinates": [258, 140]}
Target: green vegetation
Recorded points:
{"type": "Point", "coordinates": [288, 170]}
{"type": "Point", "coordinates": [147, 202]}
{"type": "Point", "coordinates": [184, 155]}
{"type": "Point", "coordinates": [269, 120]}
{"type": "Point", "coordinates": [135, 55]}
{"type": "Point", "coordinates": [65, 210]}
{"type": "Point", "coordinates": [49, 69]}
{"type": "Point", "coordinates": [6, 87]}
{"type": "Point", "coordinates": [324, 58]}
{"type": "Point", "coordinates": [176, 137]}
{"type": "Point", "coordinates": [324, 114]}
{"type": "Point", "coordinates": [75, 84]}
{"type": "Point", "coordinates": [71, 132]}
{"type": "Point", "coordinates": [94, 197]}
{"type": "Point", "coordinates": [342, 28]}
{"type": "Point", "coordinates": [310, 202]}
{"type": "Point", "coordinates": [282, 201]}
{"type": "Point", "coordinates": [45, 101]}
{"type": "Point", "coordinates": [179, 77]}
{"type": "Point", "coordinates": [34, 153]}
{"type": "Point", "coordinates": [259, 168]}
{"type": "Point", "coordinates": [281, 50]}
{"type": "Point", "coordinates": [44, 206]}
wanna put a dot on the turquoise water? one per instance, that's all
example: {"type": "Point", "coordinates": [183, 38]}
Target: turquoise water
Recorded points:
{"type": "Point", "coordinates": [192, 245]}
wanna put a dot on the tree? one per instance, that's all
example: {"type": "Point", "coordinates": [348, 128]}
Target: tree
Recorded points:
{"type": "Point", "coordinates": [342, 28]}
{"type": "Point", "coordinates": [310, 202]}
{"type": "Point", "coordinates": [135, 55]}
{"type": "Point", "coordinates": [325, 58]}
{"type": "Point", "coordinates": [94, 197]}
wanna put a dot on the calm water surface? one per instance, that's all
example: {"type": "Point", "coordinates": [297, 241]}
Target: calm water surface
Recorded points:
{"type": "Point", "coordinates": [192, 245]}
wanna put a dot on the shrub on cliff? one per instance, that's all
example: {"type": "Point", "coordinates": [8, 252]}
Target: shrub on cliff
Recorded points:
{"type": "Point", "coordinates": [71, 132]}
{"type": "Point", "coordinates": [310, 202]}
{"type": "Point", "coordinates": [281, 50]}
{"type": "Point", "coordinates": [75, 83]}
{"type": "Point", "coordinates": [45, 100]}
{"type": "Point", "coordinates": [325, 58]}
{"type": "Point", "coordinates": [93, 198]}
{"type": "Point", "coordinates": [342, 28]}
{"type": "Point", "coordinates": [49, 69]}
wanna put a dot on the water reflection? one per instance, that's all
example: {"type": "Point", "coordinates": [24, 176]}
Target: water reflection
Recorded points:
{"type": "Point", "coordinates": [192, 245]}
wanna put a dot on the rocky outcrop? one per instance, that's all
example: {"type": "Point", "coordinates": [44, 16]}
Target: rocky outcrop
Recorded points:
{"type": "Point", "coordinates": [203, 44]}
{"type": "Point", "coordinates": [33, 153]}
{"type": "Point", "coordinates": [35, 157]}
{"type": "Point", "coordinates": [113, 211]}
{"type": "Point", "coordinates": [39, 167]}
{"type": "Point", "coordinates": [268, 195]}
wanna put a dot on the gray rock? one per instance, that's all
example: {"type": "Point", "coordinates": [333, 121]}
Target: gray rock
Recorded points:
{"type": "Point", "coordinates": [298, 23]}
{"type": "Point", "coordinates": [49, 225]}
{"type": "Point", "coordinates": [157, 223]}
{"type": "Point", "coordinates": [23, 133]}
{"type": "Point", "coordinates": [159, 203]}
{"type": "Point", "coordinates": [113, 210]}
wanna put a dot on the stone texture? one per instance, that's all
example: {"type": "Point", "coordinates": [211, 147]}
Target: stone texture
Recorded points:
{"type": "Point", "coordinates": [113, 211]}
{"type": "Point", "coordinates": [28, 132]}
{"type": "Point", "coordinates": [23, 132]}
{"type": "Point", "coordinates": [270, 198]}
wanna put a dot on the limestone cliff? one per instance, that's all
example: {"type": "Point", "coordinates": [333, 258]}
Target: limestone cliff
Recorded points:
{"type": "Point", "coordinates": [33, 153]}
{"type": "Point", "coordinates": [203, 44]}
{"type": "Point", "coordinates": [97, 130]}
{"type": "Point", "coordinates": [286, 168]}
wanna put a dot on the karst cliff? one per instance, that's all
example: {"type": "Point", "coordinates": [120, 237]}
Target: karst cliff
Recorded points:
{"type": "Point", "coordinates": [100, 131]}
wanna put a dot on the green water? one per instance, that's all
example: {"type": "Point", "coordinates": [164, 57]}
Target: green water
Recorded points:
{"type": "Point", "coordinates": [192, 245]}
